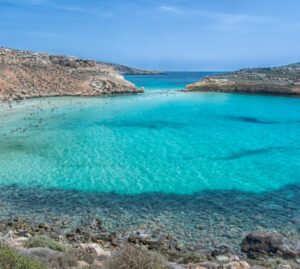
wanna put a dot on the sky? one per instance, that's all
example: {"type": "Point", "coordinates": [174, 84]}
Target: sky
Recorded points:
{"type": "Point", "coordinates": [211, 35]}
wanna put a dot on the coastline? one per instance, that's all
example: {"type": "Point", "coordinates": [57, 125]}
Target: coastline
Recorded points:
{"type": "Point", "coordinates": [275, 80]}
{"type": "Point", "coordinates": [26, 74]}
{"type": "Point", "coordinates": [93, 245]}
{"type": "Point", "coordinates": [77, 235]}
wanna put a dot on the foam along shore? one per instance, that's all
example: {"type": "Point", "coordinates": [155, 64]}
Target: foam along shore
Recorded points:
{"type": "Point", "coordinates": [277, 80]}
{"type": "Point", "coordinates": [25, 74]}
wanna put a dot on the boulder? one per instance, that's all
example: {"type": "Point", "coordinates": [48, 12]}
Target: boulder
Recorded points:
{"type": "Point", "coordinates": [284, 266]}
{"type": "Point", "coordinates": [258, 244]}
{"type": "Point", "coordinates": [222, 258]}
{"type": "Point", "coordinates": [173, 265]}
{"type": "Point", "coordinates": [94, 248]}
{"type": "Point", "coordinates": [161, 243]}
{"type": "Point", "coordinates": [237, 265]}
{"type": "Point", "coordinates": [210, 265]}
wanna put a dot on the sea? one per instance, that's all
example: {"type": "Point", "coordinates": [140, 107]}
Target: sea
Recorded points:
{"type": "Point", "coordinates": [205, 168]}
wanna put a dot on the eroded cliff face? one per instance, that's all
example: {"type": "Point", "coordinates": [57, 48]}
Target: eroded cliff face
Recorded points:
{"type": "Point", "coordinates": [278, 80]}
{"type": "Point", "coordinates": [26, 74]}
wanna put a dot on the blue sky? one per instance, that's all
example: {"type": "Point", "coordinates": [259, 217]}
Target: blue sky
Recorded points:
{"type": "Point", "coordinates": [158, 34]}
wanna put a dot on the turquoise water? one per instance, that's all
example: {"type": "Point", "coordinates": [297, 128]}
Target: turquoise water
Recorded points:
{"type": "Point", "coordinates": [161, 160]}
{"type": "Point", "coordinates": [165, 142]}
{"type": "Point", "coordinates": [170, 81]}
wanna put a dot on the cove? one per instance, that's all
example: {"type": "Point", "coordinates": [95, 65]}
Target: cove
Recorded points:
{"type": "Point", "coordinates": [157, 142]}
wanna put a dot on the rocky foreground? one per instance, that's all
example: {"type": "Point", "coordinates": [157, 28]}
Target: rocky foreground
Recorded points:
{"type": "Point", "coordinates": [277, 80]}
{"type": "Point", "coordinates": [40, 246]}
{"type": "Point", "coordinates": [25, 74]}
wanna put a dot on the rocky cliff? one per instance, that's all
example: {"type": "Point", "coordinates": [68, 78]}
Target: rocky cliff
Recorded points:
{"type": "Point", "coordinates": [25, 74]}
{"type": "Point", "coordinates": [277, 80]}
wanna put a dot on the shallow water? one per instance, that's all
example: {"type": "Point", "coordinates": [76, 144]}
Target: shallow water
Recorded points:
{"type": "Point", "coordinates": [178, 143]}
{"type": "Point", "coordinates": [205, 167]}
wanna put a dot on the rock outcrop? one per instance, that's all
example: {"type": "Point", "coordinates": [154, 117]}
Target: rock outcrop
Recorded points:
{"type": "Point", "coordinates": [261, 244]}
{"type": "Point", "coordinates": [277, 80]}
{"type": "Point", "coordinates": [88, 245]}
{"type": "Point", "coordinates": [25, 74]}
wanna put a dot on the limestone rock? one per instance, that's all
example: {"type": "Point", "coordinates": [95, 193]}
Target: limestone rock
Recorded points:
{"type": "Point", "coordinates": [269, 244]}
{"type": "Point", "coordinates": [173, 265]}
{"type": "Point", "coordinates": [41, 254]}
{"type": "Point", "coordinates": [222, 258]}
{"type": "Point", "coordinates": [25, 74]}
{"type": "Point", "coordinates": [158, 242]}
{"type": "Point", "coordinates": [259, 267]}
{"type": "Point", "coordinates": [125, 70]}
{"type": "Point", "coordinates": [237, 265]}
{"type": "Point", "coordinates": [284, 266]}
{"type": "Point", "coordinates": [94, 248]}
{"type": "Point", "coordinates": [278, 80]}
{"type": "Point", "coordinates": [210, 265]}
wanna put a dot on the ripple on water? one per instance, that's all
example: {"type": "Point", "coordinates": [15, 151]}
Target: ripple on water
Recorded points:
{"type": "Point", "coordinates": [201, 166]}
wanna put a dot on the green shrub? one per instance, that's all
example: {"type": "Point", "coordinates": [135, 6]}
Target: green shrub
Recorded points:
{"type": "Point", "coordinates": [63, 260]}
{"type": "Point", "coordinates": [91, 267]}
{"type": "Point", "coordinates": [133, 257]}
{"type": "Point", "coordinates": [192, 257]}
{"type": "Point", "coordinates": [44, 241]}
{"type": "Point", "coordinates": [70, 258]}
{"type": "Point", "coordinates": [9, 259]}
{"type": "Point", "coordinates": [83, 255]}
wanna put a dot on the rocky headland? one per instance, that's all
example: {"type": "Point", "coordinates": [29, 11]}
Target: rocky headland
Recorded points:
{"type": "Point", "coordinates": [126, 70]}
{"type": "Point", "coordinates": [277, 80]}
{"type": "Point", "coordinates": [25, 74]}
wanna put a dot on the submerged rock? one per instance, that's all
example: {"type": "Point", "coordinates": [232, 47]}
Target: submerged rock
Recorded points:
{"type": "Point", "coordinates": [260, 244]}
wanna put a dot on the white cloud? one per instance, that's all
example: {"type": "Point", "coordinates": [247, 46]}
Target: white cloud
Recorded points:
{"type": "Point", "coordinates": [226, 21]}
{"type": "Point", "coordinates": [171, 9]}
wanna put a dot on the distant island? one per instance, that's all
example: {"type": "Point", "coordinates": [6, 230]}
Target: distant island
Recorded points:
{"type": "Point", "coordinates": [26, 74]}
{"type": "Point", "coordinates": [276, 80]}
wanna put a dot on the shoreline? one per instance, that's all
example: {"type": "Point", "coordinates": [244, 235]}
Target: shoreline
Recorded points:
{"type": "Point", "coordinates": [245, 92]}
{"type": "Point", "coordinates": [274, 80]}
{"type": "Point", "coordinates": [205, 220]}
{"type": "Point", "coordinates": [259, 250]}
{"type": "Point", "coordinates": [124, 235]}
{"type": "Point", "coordinates": [147, 91]}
